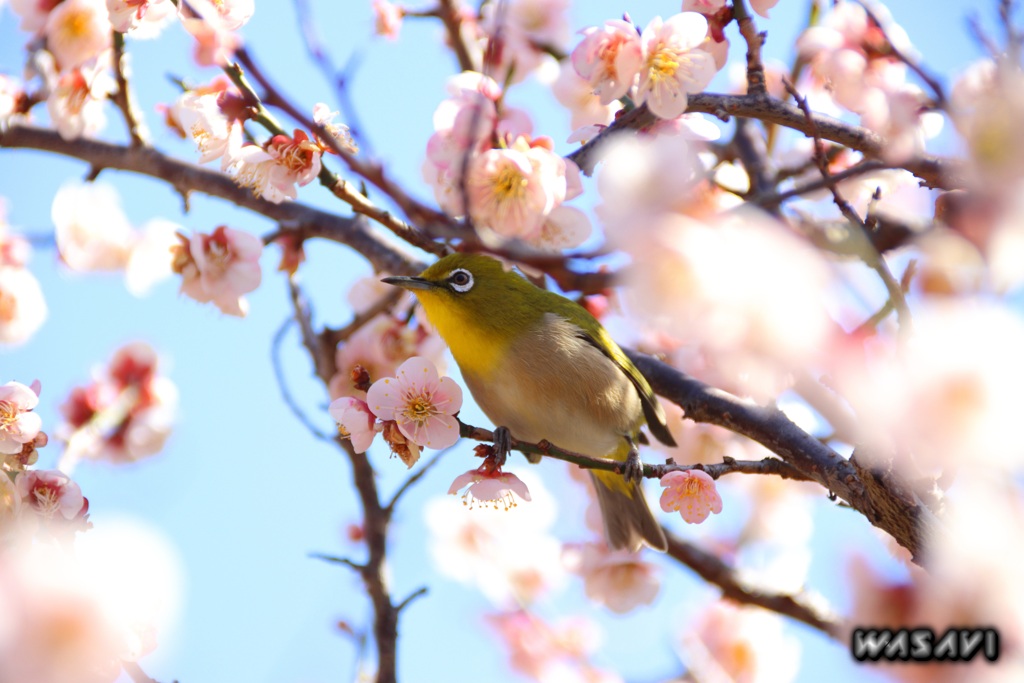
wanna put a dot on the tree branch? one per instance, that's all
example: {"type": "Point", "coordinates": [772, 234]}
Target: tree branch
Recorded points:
{"type": "Point", "coordinates": [803, 608]}
{"type": "Point", "coordinates": [186, 178]}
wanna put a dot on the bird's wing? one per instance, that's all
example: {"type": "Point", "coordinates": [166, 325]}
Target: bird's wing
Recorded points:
{"type": "Point", "coordinates": [653, 412]}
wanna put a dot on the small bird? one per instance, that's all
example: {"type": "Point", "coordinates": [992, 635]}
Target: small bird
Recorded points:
{"type": "Point", "coordinates": [541, 367]}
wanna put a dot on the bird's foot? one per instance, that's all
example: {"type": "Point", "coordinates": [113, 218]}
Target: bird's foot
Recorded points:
{"type": "Point", "coordinates": [502, 445]}
{"type": "Point", "coordinates": [633, 470]}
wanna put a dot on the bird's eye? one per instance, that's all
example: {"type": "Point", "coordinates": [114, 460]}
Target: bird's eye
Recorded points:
{"type": "Point", "coordinates": [461, 280]}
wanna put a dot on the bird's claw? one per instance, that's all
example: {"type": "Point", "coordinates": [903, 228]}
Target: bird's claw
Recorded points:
{"type": "Point", "coordinates": [502, 445]}
{"type": "Point", "coordinates": [633, 470]}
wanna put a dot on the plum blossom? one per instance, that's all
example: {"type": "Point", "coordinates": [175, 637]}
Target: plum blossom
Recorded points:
{"type": "Point", "coordinates": [516, 33]}
{"type": "Point", "coordinates": [141, 18]}
{"type": "Point", "coordinates": [76, 96]}
{"type": "Point", "coordinates": [355, 420]}
{"type": "Point", "coordinates": [421, 402]}
{"type": "Point", "coordinates": [731, 643]}
{"type": "Point", "coordinates": [206, 115]}
{"type": "Point", "coordinates": [274, 169]}
{"type": "Point", "coordinates": [214, 46]}
{"type": "Point", "coordinates": [513, 559]}
{"type": "Point", "coordinates": [225, 15]}
{"type": "Point", "coordinates": [617, 579]}
{"type": "Point", "coordinates": [77, 31]}
{"type": "Point", "coordinates": [50, 494]}
{"type": "Point", "coordinates": [576, 94]}
{"type": "Point", "coordinates": [125, 414]}
{"type": "Point", "coordinates": [22, 306]}
{"type": "Point", "coordinates": [378, 348]}
{"type": "Point", "coordinates": [673, 63]}
{"type": "Point", "coordinates": [18, 424]}
{"type": "Point", "coordinates": [14, 249]}
{"type": "Point", "coordinates": [13, 101]}
{"type": "Point", "coordinates": [92, 232]}
{"type": "Point", "coordinates": [219, 268]}
{"type": "Point", "coordinates": [387, 19]}
{"type": "Point", "coordinates": [513, 191]}
{"type": "Point", "coordinates": [490, 486]}
{"type": "Point", "coordinates": [609, 59]}
{"type": "Point", "coordinates": [692, 494]}
{"type": "Point", "coordinates": [33, 13]}
{"type": "Point", "coordinates": [323, 115]}
{"type": "Point", "coordinates": [546, 651]}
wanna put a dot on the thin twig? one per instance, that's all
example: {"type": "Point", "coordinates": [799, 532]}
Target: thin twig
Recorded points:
{"type": "Point", "coordinates": [282, 382]}
{"type": "Point", "coordinates": [123, 97]}
{"type": "Point", "coordinates": [418, 593]}
{"type": "Point", "coordinates": [868, 253]}
{"type": "Point", "coordinates": [339, 560]}
{"type": "Point", "coordinates": [756, 84]}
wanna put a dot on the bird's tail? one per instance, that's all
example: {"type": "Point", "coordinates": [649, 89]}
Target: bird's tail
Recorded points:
{"type": "Point", "coordinates": [628, 521]}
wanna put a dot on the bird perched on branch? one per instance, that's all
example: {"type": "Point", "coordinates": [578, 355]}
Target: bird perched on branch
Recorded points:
{"type": "Point", "coordinates": [542, 368]}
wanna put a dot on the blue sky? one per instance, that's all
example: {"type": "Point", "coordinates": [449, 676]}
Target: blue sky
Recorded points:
{"type": "Point", "coordinates": [243, 492]}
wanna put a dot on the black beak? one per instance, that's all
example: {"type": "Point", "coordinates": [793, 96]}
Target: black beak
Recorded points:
{"type": "Point", "coordinates": [409, 282]}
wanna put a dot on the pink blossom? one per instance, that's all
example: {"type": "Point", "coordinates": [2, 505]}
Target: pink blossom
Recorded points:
{"type": "Point", "coordinates": [143, 18]}
{"type": "Point", "coordinates": [220, 268]}
{"type": "Point", "coordinates": [77, 96]}
{"type": "Point", "coordinates": [92, 232]}
{"type": "Point", "coordinates": [617, 579]}
{"type": "Point", "coordinates": [50, 493]}
{"type": "Point", "coordinates": [214, 46]}
{"type": "Point", "coordinates": [512, 191]}
{"type": "Point", "coordinates": [18, 424]}
{"type": "Point", "coordinates": [14, 249]}
{"type": "Point", "coordinates": [692, 493]}
{"type": "Point", "coordinates": [323, 115]}
{"type": "Point", "coordinates": [387, 19]}
{"type": "Point", "coordinates": [150, 259]}
{"type": "Point", "coordinates": [13, 101]}
{"type": "Point", "coordinates": [22, 307]}
{"type": "Point", "coordinates": [273, 170]}
{"type": "Point", "coordinates": [673, 63]}
{"type": "Point", "coordinates": [421, 402]}
{"type": "Point", "coordinates": [33, 13]}
{"type": "Point", "coordinates": [609, 59]}
{"type": "Point", "coordinates": [200, 115]}
{"type": "Point", "coordinates": [762, 6]}
{"type": "Point", "coordinates": [125, 414]}
{"type": "Point", "coordinates": [515, 35]}
{"type": "Point", "coordinates": [77, 31]}
{"type": "Point", "coordinates": [224, 15]}
{"type": "Point", "coordinates": [489, 486]}
{"type": "Point", "coordinates": [577, 95]}
{"type": "Point", "coordinates": [356, 421]}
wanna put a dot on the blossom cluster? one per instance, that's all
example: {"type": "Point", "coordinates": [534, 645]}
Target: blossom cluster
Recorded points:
{"type": "Point", "coordinates": [124, 414]}
{"type": "Point", "coordinates": [22, 306]}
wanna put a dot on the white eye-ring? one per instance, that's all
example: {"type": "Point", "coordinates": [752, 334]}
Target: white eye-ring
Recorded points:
{"type": "Point", "coordinates": [461, 280]}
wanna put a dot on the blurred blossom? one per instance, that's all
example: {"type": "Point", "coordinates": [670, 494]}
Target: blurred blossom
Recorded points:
{"type": "Point", "coordinates": [948, 398]}
{"type": "Point", "coordinates": [76, 97]}
{"type": "Point", "coordinates": [219, 268]}
{"type": "Point", "coordinates": [691, 493]}
{"type": "Point", "coordinates": [339, 132]}
{"type": "Point", "coordinates": [609, 59]}
{"type": "Point", "coordinates": [355, 420]}
{"type": "Point", "coordinates": [576, 94]}
{"type": "Point", "coordinates": [746, 290]}
{"type": "Point", "coordinates": [150, 259]}
{"type": "Point", "coordinates": [641, 176]}
{"type": "Point", "coordinates": [972, 582]}
{"type": "Point", "coordinates": [214, 46]}
{"type": "Point", "coordinates": [549, 652]}
{"type": "Point", "coordinates": [673, 63]}
{"type": "Point", "coordinates": [518, 33]}
{"type": "Point", "coordinates": [124, 414]}
{"type": "Point", "coordinates": [379, 347]}
{"type": "Point", "coordinates": [986, 104]}
{"type": "Point", "coordinates": [948, 264]}
{"type": "Point", "coordinates": [22, 307]}
{"type": "Point", "coordinates": [203, 113]}
{"type": "Point", "coordinates": [142, 18]}
{"type": "Point", "coordinates": [387, 19]}
{"type": "Point", "coordinates": [421, 401]}
{"type": "Point", "coordinates": [18, 424]}
{"type": "Point", "coordinates": [13, 101]}
{"type": "Point", "coordinates": [618, 579]}
{"type": "Point", "coordinates": [33, 13]}
{"type": "Point", "coordinates": [92, 232]}
{"type": "Point", "coordinates": [77, 31]}
{"type": "Point", "coordinates": [224, 15]}
{"type": "Point", "coordinates": [727, 643]}
{"type": "Point", "coordinates": [510, 556]}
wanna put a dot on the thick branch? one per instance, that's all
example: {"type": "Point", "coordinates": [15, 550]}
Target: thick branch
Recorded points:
{"type": "Point", "coordinates": [715, 571]}
{"type": "Point", "coordinates": [186, 178]}
{"type": "Point", "coordinates": [887, 502]}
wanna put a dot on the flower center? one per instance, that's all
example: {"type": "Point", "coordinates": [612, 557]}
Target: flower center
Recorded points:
{"type": "Point", "coordinates": [8, 414]}
{"type": "Point", "coordinates": [76, 25]}
{"type": "Point", "coordinates": [663, 65]}
{"type": "Point", "coordinates": [509, 184]}
{"type": "Point", "coordinates": [8, 307]}
{"type": "Point", "coordinates": [46, 499]}
{"type": "Point", "coordinates": [419, 409]}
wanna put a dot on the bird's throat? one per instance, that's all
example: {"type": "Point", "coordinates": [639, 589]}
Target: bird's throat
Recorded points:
{"type": "Point", "coordinates": [477, 349]}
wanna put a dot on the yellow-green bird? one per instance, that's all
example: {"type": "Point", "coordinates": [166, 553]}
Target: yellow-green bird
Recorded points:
{"type": "Point", "coordinates": [544, 368]}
